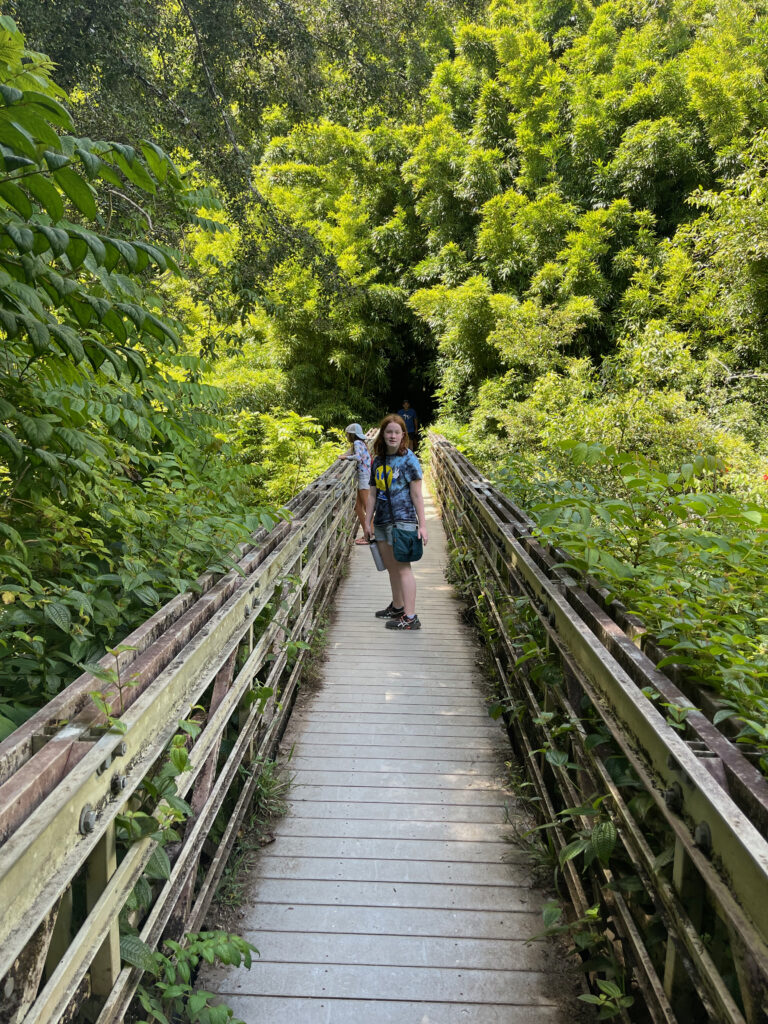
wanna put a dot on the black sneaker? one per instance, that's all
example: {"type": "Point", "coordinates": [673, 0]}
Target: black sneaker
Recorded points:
{"type": "Point", "coordinates": [390, 612]}
{"type": "Point", "coordinates": [404, 623]}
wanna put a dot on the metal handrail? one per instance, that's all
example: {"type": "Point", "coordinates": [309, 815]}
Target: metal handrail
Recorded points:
{"type": "Point", "coordinates": [710, 798]}
{"type": "Point", "coordinates": [65, 776]}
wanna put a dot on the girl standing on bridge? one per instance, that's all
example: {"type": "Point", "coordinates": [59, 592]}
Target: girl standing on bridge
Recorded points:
{"type": "Point", "coordinates": [358, 451]}
{"type": "Point", "coordinates": [395, 499]}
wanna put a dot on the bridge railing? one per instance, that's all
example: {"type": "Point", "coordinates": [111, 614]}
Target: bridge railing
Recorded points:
{"type": "Point", "coordinates": [654, 817]}
{"type": "Point", "coordinates": [84, 784]}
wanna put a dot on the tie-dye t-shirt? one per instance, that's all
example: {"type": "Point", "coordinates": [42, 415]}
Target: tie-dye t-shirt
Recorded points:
{"type": "Point", "coordinates": [401, 469]}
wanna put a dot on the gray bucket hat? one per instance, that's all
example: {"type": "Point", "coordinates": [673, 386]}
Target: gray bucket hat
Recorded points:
{"type": "Point", "coordinates": [356, 429]}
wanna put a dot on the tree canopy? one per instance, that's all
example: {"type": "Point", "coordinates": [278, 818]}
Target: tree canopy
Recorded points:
{"type": "Point", "coordinates": [543, 220]}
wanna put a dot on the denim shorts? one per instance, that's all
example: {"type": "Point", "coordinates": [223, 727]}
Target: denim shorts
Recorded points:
{"type": "Point", "coordinates": [383, 532]}
{"type": "Point", "coordinates": [363, 478]}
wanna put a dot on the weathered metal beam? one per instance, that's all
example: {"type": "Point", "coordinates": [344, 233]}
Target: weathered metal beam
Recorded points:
{"type": "Point", "coordinates": [201, 791]}
{"type": "Point", "coordinates": [21, 983]}
{"type": "Point", "coordinates": [29, 786]}
{"type": "Point", "coordinates": [100, 867]}
{"type": "Point", "coordinates": [44, 852]}
{"type": "Point", "coordinates": [740, 851]}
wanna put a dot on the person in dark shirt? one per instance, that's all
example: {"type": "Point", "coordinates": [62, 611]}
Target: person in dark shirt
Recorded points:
{"type": "Point", "coordinates": [411, 420]}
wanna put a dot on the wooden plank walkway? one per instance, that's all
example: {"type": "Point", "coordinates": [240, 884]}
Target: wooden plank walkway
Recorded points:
{"type": "Point", "coordinates": [391, 894]}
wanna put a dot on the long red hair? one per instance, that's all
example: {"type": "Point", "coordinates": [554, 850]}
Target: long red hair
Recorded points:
{"type": "Point", "coordinates": [380, 445]}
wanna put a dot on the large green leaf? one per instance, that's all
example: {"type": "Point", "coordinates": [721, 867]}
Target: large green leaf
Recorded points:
{"type": "Point", "coordinates": [77, 190]}
{"type": "Point", "coordinates": [109, 174]}
{"type": "Point", "coordinates": [97, 353]}
{"type": "Point", "coordinates": [136, 363]}
{"type": "Point", "coordinates": [9, 95]}
{"type": "Point", "coordinates": [136, 953]}
{"type": "Point", "coordinates": [17, 138]}
{"type": "Point", "coordinates": [36, 429]}
{"type": "Point", "coordinates": [46, 194]}
{"type": "Point", "coordinates": [21, 236]}
{"type": "Point", "coordinates": [68, 341]}
{"type": "Point", "coordinates": [52, 110]}
{"type": "Point", "coordinates": [38, 333]}
{"type": "Point", "coordinates": [114, 322]}
{"type": "Point", "coordinates": [11, 442]}
{"type": "Point", "coordinates": [158, 866]}
{"type": "Point", "coordinates": [127, 252]}
{"type": "Point", "coordinates": [55, 160]}
{"type": "Point", "coordinates": [99, 305]}
{"type": "Point", "coordinates": [14, 196]}
{"type": "Point", "coordinates": [27, 298]}
{"type": "Point", "coordinates": [90, 161]}
{"type": "Point", "coordinates": [73, 439]}
{"type": "Point", "coordinates": [81, 307]}
{"type": "Point", "coordinates": [155, 254]}
{"type": "Point", "coordinates": [57, 238]}
{"type": "Point", "coordinates": [159, 163]}
{"type": "Point", "coordinates": [77, 250]}
{"type": "Point", "coordinates": [134, 312]}
{"type": "Point", "coordinates": [160, 330]}
{"type": "Point", "coordinates": [12, 161]}
{"type": "Point", "coordinates": [28, 119]}
{"type": "Point", "coordinates": [63, 285]}
{"type": "Point", "coordinates": [59, 614]}
{"type": "Point", "coordinates": [51, 460]}
{"type": "Point", "coordinates": [9, 323]}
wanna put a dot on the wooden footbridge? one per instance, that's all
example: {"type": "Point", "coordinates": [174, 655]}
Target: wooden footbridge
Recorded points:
{"type": "Point", "coordinates": [392, 892]}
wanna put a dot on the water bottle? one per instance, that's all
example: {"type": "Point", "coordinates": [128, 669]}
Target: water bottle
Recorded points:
{"type": "Point", "coordinates": [378, 561]}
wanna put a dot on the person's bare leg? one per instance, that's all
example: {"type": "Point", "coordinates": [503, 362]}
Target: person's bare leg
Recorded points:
{"type": "Point", "coordinates": [407, 587]}
{"type": "Point", "coordinates": [393, 568]}
{"type": "Point", "coordinates": [360, 503]}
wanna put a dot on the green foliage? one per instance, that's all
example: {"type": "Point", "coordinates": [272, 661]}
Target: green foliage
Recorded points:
{"type": "Point", "coordinates": [171, 995]}
{"type": "Point", "coordinates": [268, 804]}
{"type": "Point", "coordinates": [679, 550]}
{"type": "Point", "coordinates": [588, 935]}
{"type": "Point", "coordinates": [552, 218]}
{"type": "Point", "coordinates": [114, 492]}
{"type": "Point", "coordinates": [611, 1002]}
{"type": "Point", "coordinates": [157, 809]}
{"type": "Point", "coordinates": [577, 226]}
{"type": "Point", "coordinates": [177, 65]}
{"type": "Point", "coordinates": [287, 450]}
{"type": "Point", "coordinates": [464, 317]}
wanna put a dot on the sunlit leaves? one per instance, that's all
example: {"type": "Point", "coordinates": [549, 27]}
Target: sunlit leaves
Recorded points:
{"type": "Point", "coordinates": [105, 468]}
{"type": "Point", "coordinates": [679, 551]}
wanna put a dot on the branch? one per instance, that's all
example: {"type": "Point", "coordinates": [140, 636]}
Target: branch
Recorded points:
{"type": "Point", "coordinates": [161, 94]}
{"type": "Point", "coordinates": [141, 209]}
{"type": "Point", "coordinates": [217, 99]}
